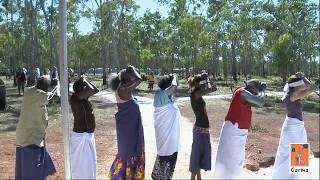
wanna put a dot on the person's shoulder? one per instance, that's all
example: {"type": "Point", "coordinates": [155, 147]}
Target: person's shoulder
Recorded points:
{"type": "Point", "coordinates": [31, 91]}
{"type": "Point", "coordinates": [239, 89]}
{"type": "Point", "coordinates": [158, 92]}
{"type": "Point", "coordinates": [74, 99]}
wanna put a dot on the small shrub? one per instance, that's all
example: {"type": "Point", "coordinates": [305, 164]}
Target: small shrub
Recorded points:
{"type": "Point", "coordinates": [256, 128]}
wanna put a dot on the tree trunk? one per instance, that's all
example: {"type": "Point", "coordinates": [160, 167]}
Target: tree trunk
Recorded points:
{"type": "Point", "coordinates": [103, 44]}
{"type": "Point", "coordinates": [13, 51]}
{"type": "Point", "coordinates": [53, 42]}
{"type": "Point", "coordinates": [27, 34]}
{"type": "Point", "coordinates": [225, 62]}
{"type": "Point", "coordinates": [234, 61]}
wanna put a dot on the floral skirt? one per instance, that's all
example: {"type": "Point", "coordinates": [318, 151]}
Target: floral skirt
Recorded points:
{"type": "Point", "coordinates": [132, 168]}
{"type": "Point", "coordinates": [164, 167]}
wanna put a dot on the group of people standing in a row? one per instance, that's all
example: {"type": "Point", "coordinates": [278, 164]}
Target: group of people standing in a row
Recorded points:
{"type": "Point", "coordinates": [33, 160]}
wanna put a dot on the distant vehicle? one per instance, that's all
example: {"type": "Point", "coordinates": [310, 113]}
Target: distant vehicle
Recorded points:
{"type": "Point", "coordinates": [99, 70]}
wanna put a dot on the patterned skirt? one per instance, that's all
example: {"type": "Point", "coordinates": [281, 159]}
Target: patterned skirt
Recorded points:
{"type": "Point", "coordinates": [164, 167]}
{"type": "Point", "coordinates": [132, 168]}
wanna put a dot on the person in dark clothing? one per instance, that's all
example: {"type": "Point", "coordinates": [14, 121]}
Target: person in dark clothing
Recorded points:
{"type": "Point", "coordinates": [83, 150]}
{"type": "Point", "coordinates": [21, 79]}
{"type": "Point", "coordinates": [200, 158]}
{"type": "Point", "coordinates": [2, 96]}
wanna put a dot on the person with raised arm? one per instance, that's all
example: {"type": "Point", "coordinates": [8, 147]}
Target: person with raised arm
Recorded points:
{"type": "Point", "coordinates": [82, 141]}
{"type": "Point", "coordinates": [130, 159]}
{"type": "Point", "coordinates": [167, 128]}
{"type": "Point", "coordinates": [32, 157]}
{"type": "Point", "coordinates": [231, 149]}
{"type": "Point", "coordinates": [200, 158]}
{"type": "Point", "coordinates": [293, 130]}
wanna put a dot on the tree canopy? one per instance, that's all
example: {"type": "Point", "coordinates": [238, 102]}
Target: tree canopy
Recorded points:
{"type": "Point", "coordinates": [225, 37]}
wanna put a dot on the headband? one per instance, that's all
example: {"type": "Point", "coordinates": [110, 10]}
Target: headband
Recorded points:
{"type": "Point", "coordinates": [289, 85]}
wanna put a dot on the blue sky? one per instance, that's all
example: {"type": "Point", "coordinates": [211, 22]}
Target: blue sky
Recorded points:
{"type": "Point", "coordinates": [85, 25]}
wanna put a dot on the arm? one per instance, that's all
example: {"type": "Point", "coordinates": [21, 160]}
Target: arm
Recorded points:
{"type": "Point", "coordinates": [125, 90]}
{"type": "Point", "coordinates": [299, 95]}
{"type": "Point", "coordinates": [248, 97]}
{"type": "Point", "coordinates": [172, 89]}
{"type": "Point", "coordinates": [88, 91]}
{"type": "Point", "coordinates": [128, 87]}
{"type": "Point", "coordinates": [202, 92]}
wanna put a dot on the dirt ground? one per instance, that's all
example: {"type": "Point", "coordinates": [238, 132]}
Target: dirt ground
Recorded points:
{"type": "Point", "coordinates": [262, 141]}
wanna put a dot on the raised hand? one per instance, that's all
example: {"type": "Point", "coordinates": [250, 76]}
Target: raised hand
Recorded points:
{"type": "Point", "coordinates": [300, 74]}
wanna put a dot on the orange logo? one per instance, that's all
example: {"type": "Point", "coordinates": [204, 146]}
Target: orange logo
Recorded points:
{"type": "Point", "coordinates": [299, 155]}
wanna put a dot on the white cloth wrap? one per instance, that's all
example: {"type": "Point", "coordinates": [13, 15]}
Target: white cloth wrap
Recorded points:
{"type": "Point", "coordinates": [167, 129]}
{"type": "Point", "coordinates": [83, 156]}
{"type": "Point", "coordinates": [231, 151]}
{"type": "Point", "coordinates": [293, 131]}
{"type": "Point", "coordinates": [289, 85]}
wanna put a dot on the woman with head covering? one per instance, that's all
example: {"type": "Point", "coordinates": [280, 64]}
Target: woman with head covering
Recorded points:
{"type": "Point", "coordinates": [167, 128]}
{"type": "Point", "coordinates": [293, 130]}
{"type": "Point", "coordinates": [32, 158]}
{"type": "Point", "coordinates": [83, 148]}
{"type": "Point", "coordinates": [130, 159]}
{"type": "Point", "coordinates": [201, 147]}
{"type": "Point", "coordinates": [234, 132]}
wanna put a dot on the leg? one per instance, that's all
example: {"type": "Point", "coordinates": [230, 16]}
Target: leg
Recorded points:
{"type": "Point", "coordinates": [193, 176]}
{"type": "Point", "coordinates": [19, 87]}
{"type": "Point", "coordinates": [22, 85]}
{"type": "Point", "coordinates": [199, 175]}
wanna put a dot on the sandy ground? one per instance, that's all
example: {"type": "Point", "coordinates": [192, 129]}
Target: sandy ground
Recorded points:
{"type": "Point", "coordinates": [104, 109]}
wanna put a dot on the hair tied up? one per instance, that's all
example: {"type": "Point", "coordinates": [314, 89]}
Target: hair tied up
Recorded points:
{"type": "Point", "coordinates": [114, 81]}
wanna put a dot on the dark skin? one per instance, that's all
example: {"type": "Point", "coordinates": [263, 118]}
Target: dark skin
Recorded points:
{"type": "Point", "coordinates": [125, 90]}
{"type": "Point", "coordinates": [202, 90]}
{"type": "Point", "coordinates": [303, 90]}
{"type": "Point", "coordinates": [89, 90]}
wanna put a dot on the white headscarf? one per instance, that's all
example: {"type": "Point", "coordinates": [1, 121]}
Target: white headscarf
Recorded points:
{"type": "Point", "coordinates": [289, 85]}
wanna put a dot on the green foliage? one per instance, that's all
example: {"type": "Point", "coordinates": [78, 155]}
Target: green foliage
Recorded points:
{"type": "Point", "coordinates": [282, 52]}
{"type": "Point", "coordinates": [256, 128]}
{"type": "Point", "coordinates": [270, 38]}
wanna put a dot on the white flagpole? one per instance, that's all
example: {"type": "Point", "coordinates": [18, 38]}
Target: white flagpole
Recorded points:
{"type": "Point", "coordinates": [64, 87]}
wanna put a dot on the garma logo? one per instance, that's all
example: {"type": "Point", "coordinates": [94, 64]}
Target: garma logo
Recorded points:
{"type": "Point", "coordinates": [299, 158]}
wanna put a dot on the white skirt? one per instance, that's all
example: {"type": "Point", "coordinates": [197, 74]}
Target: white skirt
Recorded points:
{"type": "Point", "coordinates": [293, 131]}
{"type": "Point", "coordinates": [83, 156]}
{"type": "Point", "coordinates": [231, 151]}
{"type": "Point", "coordinates": [167, 129]}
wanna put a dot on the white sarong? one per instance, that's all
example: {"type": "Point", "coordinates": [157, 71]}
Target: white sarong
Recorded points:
{"type": "Point", "coordinates": [231, 151]}
{"type": "Point", "coordinates": [83, 156]}
{"type": "Point", "coordinates": [293, 131]}
{"type": "Point", "coordinates": [167, 129]}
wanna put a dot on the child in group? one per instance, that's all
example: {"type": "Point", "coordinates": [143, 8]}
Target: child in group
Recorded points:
{"type": "Point", "coordinates": [130, 159]}
{"type": "Point", "coordinates": [167, 128]}
{"type": "Point", "coordinates": [201, 147]}
{"type": "Point", "coordinates": [32, 158]}
{"type": "Point", "coordinates": [82, 141]}
{"type": "Point", "coordinates": [150, 81]}
{"type": "Point", "coordinates": [234, 132]}
{"type": "Point", "coordinates": [293, 130]}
